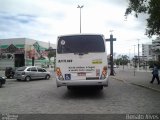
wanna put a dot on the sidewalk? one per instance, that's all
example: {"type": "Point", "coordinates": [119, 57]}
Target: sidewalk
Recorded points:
{"type": "Point", "coordinates": [142, 78]}
{"type": "Point", "coordinates": [2, 73]}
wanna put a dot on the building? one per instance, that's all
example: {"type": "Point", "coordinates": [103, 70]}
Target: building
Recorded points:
{"type": "Point", "coordinates": [17, 52]}
{"type": "Point", "coordinates": [147, 52]}
{"type": "Point", "coordinates": [156, 49]}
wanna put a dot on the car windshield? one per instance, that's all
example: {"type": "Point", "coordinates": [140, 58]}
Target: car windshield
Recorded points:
{"type": "Point", "coordinates": [81, 44]}
{"type": "Point", "coordinates": [21, 68]}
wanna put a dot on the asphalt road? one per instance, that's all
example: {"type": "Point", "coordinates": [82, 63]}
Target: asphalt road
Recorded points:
{"type": "Point", "coordinates": [42, 96]}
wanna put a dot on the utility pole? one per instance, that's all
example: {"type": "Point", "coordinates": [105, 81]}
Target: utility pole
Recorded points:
{"type": "Point", "coordinates": [0, 50]}
{"type": "Point", "coordinates": [80, 7]}
{"type": "Point", "coordinates": [134, 61]}
{"type": "Point", "coordinates": [111, 39]}
{"type": "Point", "coordinates": [138, 56]}
{"type": "Point", "coordinates": [129, 59]}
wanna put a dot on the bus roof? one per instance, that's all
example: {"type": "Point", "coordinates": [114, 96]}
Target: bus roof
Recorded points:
{"type": "Point", "coordinates": [80, 34]}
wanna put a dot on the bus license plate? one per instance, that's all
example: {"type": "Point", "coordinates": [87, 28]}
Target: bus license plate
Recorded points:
{"type": "Point", "coordinates": [81, 74]}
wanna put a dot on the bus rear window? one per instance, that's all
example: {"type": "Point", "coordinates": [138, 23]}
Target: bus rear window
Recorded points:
{"type": "Point", "coordinates": [80, 44]}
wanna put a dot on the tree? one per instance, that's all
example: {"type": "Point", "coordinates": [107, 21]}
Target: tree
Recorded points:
{"type": "Point", "coordinates": [149, 7]}
{"type": "Point", "coordinates": [122, 60]}
{"type": "Point", "coordinates": [51, 54]}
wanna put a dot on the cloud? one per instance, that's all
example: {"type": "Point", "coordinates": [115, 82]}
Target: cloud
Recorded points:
{"type": "Point", "coordinates": [46, 19]}
{"type": "Point", "coordinates": [14, 25]}
{"type": "Point", "coordinates": [20, 18]}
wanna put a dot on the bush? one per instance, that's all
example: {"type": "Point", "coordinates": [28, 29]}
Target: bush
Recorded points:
{"type": "Point", "coordinates": [151, 64]}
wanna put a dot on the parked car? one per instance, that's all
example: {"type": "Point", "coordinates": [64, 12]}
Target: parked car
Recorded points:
{"type": "Point", "coordinates": [115, 66]}
{"type": "Point", "coordinates": [9, 72]}
{"type": "Point", "coordinates": [28, 73]}
{"type": "Point", "coordinates": [2, 81]}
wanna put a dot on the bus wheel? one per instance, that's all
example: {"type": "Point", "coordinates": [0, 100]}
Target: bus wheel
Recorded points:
{"type": "Point", "coordinates": [100, 87]}
{"type": "Point", "coordinates": [69, 87]}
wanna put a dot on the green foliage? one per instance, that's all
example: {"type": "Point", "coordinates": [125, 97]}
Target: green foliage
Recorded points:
{"type": "Point", "coordinates": [138, 6]}
{"type": "Point", "coordinates": [149, 7]}
{"type": "Point", "coordinates": [122, 60]}
{"type": "Point", "coordinates": [151, 64]}
{"type": "Point", "coordinates": [51, 54]}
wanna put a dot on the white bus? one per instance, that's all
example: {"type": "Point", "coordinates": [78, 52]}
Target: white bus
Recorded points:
{"type": "Point", "coordinates": [81, 60]}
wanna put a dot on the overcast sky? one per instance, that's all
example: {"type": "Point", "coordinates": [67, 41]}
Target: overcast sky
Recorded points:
{"type": "Point", "coordinates": [44, 20]}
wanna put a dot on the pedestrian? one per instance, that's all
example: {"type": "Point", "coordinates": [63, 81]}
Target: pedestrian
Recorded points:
{"type": "Point", "coordinates": [155, 74]}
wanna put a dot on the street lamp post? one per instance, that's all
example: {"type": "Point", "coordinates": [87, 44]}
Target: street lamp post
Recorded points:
{"type": "Point", "coordinates": [80, 7]}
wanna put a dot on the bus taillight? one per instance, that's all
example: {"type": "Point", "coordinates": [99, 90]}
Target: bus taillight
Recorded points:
{"type": "Point", "coordinates": [59, 74]}
{"type": "Point", "coordinates": [104, 72]}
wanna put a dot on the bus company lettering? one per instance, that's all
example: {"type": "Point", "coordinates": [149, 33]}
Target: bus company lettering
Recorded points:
{"type": "Point", "coordinates": [82, 69]}
{"type": "Point", "coordinates": [64, 61]}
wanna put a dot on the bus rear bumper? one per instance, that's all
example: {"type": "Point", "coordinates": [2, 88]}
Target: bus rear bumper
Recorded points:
{"type": "Point", "coordinates": [82, 82]}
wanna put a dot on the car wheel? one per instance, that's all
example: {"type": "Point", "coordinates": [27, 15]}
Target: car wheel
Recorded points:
{"type": "Point", "coordinates": [47, 77]}
{"type": "Point", "coordinates": [8, 77]}
{"type": "Point", "coordinates": [0, 84]}
{"type": "Point", "coordinates": [28, 78]}
{"type": "Point", "coordinates": [12, 76]}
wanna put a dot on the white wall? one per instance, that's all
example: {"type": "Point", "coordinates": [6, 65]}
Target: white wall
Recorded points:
{"type": "Point", "coordinates": [12, 41]}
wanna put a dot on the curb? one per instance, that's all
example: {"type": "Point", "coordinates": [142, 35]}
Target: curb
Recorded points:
{"type": "Point", "coordinates": [117, 79]}
{"type": "Point", "coordinates": [140, 85]}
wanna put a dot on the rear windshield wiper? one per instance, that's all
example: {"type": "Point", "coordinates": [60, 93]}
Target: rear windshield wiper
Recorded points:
{"type": "Point", "coordinates": [81, 53]}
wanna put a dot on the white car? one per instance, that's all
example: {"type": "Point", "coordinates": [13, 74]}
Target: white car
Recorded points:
{"type": "Point", "coordinates": [115, 66]}
{"type": "Point", "coordinates": [28, 73]}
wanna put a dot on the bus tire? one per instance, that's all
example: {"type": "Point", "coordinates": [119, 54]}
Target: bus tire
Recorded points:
{"type": "Point", "coordinates": [69, 87]}
{"type": "Point", "coordinates": [100, 87]}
